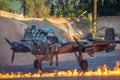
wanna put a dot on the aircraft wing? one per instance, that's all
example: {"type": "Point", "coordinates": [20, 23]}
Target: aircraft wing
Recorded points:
{"type": "Point", "coordinates": [68, 48]}
{"type": "Point", "coordinates": [104, 41]}
{"type": "Point", "coordinates": [93, 45]}
{"type": "Point", "coordinates": [101, 45]}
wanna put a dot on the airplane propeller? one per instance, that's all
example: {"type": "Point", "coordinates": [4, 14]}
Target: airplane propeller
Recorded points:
{"type": "Point", "coordinates": [35, 44]}
{"type": "Point", "coordinates": [13, 55]}
{"type": "Point", "coordinates": [11, 44]}
{"type": "Point", "coordinates": [8, 41]}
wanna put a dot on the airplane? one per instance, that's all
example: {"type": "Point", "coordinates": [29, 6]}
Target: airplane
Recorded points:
{"type": "Point", "coordinates": [35, 43]}
{"type": "Point", "coordinates": [44, 44]}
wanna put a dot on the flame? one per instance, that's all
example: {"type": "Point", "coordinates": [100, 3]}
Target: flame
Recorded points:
{"type": "Point", "coordinates": [100, 71]}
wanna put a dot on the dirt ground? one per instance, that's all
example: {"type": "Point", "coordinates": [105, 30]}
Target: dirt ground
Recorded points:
{"type": "Point", "coordinates": [99, 59]}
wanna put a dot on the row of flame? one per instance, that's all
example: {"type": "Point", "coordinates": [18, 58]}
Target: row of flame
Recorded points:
{"type": "Point", "coordinates": [100, 71]}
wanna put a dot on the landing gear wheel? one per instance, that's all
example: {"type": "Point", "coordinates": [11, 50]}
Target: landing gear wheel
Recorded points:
{"type": "Point", "coordinates": [36, 64]}
{"type": "Point", "coordinates": [110, 48]}
{"type": "Point", "coordinates": [83, 64]}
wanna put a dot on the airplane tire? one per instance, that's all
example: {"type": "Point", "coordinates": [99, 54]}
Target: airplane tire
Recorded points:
{"type": "Point", "coordinates": [110, 48]}
{"type": "Point", "coordinates": [35, 64]}
{"type": "Point", "coordinates": [83, 65]}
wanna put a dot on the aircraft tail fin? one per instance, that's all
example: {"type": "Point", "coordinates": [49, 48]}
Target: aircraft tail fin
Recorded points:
{"type": "Point", "coordinates": [109, 34]}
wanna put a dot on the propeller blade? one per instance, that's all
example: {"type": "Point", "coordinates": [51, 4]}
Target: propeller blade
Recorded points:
{"type": "Point", "coordinates": [9, 42]}
{"type": "Point", "coordinates": [13, 55]}
{"type": "Point", "coordinates": [76, 41]}
{"type": "Point", "coordinates": [80, 45]}
{"type": "Point", "coordinates": [35, 44]}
